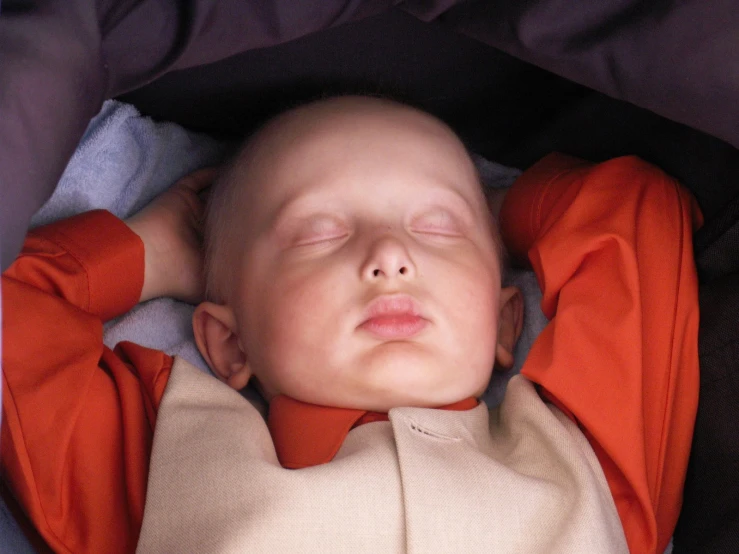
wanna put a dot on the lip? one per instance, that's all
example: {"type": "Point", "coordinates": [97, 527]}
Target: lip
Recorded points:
{"type": "Point", "coordinates": [393, 317]}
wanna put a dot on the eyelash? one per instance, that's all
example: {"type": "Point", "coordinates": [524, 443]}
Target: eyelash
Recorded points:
{"type": "Point", "coordinates": [450, 226]}
{"type": "Point", "coordinates": [436, 223]}
{"type": "Point", "coordinates": [315, 234]}
{"type": "Point", "coordinates": [316, 241]}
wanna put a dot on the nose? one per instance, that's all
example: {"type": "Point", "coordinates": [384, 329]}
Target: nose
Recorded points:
{"type": "Point", "coordinates": [388, 258]}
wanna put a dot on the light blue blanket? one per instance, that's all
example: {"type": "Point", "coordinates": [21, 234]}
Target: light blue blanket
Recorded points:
{"type": "Point", "coordinates": [122, 162]}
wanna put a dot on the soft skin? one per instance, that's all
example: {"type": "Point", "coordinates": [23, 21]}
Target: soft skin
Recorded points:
{"type": "Point", "coordinates": [367, 273]}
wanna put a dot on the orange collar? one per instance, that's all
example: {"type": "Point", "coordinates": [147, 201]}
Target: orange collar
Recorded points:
{"type": "Point", "coordinates": [307, 434]}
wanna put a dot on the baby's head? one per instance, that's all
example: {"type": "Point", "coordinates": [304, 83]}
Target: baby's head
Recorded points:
{"type": "Point", "coordinates": [352, 262]}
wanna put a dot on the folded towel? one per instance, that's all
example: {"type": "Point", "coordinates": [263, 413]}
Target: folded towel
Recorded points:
{"type": "Point", "coordinates": [123, 161]}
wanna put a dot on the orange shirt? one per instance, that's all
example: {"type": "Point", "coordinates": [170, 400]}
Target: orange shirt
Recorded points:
{"type": "Point", "coordinates": [611, 245]}
{"type": "Point", "coordinates": [78, 418]}
{"type": "Point", "coordinates": [308, 435]}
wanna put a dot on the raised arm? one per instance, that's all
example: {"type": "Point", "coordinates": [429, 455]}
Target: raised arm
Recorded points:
{"type": "Point", "coordinates": [78, 418]}
{"type": "Point", "coordinates": [611, 247]}
{"type": "Point", "coordinates": [64, 422]}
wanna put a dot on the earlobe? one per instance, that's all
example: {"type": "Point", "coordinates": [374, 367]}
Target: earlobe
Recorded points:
{"type": "Point", "coordinates": [510, 325]}
{"type": "Point", "coordinates": [215, 330]}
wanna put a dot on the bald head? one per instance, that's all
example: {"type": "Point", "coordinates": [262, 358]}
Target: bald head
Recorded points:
{"type": "Point", "coordinates": [307, 145]}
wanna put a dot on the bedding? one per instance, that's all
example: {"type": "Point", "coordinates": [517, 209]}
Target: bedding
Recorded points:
{"type": "Point", "coordinates": [123, 162]}
{"type": "Point", "coordinates": [12, 539]}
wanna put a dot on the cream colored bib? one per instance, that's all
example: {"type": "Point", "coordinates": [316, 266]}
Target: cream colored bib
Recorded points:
{"type": "Point", "coordinates": [520, 478]}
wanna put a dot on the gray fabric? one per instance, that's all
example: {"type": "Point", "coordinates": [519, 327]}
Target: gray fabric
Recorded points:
{"type": "Point", "coordinates": [12, 539]}
{"type": "Point", "coordinates": [123, 161]}
{"type": "Point", "coordinates": [494, 175]}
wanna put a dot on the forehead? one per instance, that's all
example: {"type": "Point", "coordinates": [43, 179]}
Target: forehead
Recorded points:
{"type": "Point", "coordinates": [366, 144]}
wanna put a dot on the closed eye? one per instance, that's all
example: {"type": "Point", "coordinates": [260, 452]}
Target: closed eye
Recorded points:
{"type": "Point", "coordinates": [439, 222]}
{"type": "Point", "coordinates": [319, 230]}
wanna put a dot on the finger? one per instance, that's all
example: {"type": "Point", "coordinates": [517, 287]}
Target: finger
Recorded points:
{"type": "Point", "coordinates": [199, 179]}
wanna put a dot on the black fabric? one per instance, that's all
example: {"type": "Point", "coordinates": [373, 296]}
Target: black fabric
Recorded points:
{"type": "Point", "coordinates": [505, 109]}
{"type": "Point", "coordinates": [717, 248]}
{"type": "Point", "coordinates": [493, 100]}
{"type": "Point", "coordinates": [709, 521]}
{"type": "Point", "coordinates": [678, 59]}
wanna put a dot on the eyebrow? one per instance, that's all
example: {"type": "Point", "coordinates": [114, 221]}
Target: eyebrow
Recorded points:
{"type": "Point", "coordinates": [447, 196]}
{"type": "Point", "coordinates": [302, 207]}
{"type": "Point", "coordinates": [299, 208]}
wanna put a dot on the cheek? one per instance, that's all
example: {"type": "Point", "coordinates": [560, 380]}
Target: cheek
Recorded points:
{"type": "Point", "coordinates": [471, 284]}
{"type": "Point", "coordinates": [291, 317]}
{"type": "Point", "coordinates": [471, 298]}
{"type": "Point", "coordinates": [477, 308]}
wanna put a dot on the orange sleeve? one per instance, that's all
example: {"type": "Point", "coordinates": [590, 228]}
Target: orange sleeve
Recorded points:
{"type": "Point", "coordinates": [78, 418]}
{"type": "Point", "coordinates": [92, 261]}
{"type": "Point", "coordinates": [611, 246]}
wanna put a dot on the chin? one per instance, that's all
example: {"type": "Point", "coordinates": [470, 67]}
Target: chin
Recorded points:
{"type": "Point", "coordinates": [422, 402]}
{"type": "Point", "coordinates": [407, 374]}
{"type": "Point", "coordinates": [422, 390]}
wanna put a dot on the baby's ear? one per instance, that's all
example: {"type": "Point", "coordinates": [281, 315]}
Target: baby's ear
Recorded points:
{"type": "Point", "coordinates": [214, 327]}
{"type": "Point", "coordinates": [510, 324]}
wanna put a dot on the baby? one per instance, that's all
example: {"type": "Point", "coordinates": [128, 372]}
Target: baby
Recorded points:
{"type": "Point", "coordinates": [353, 273]}
{"type": "Point", "coordinates": [363, 266]}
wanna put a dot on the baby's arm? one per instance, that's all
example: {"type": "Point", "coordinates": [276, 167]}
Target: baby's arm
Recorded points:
{"type": "Point", "coordinates": [64, 431]}
{"type": "Point", "coordinates": [78, 418]}
{"type": "Point", "coordinates": [611, 246]}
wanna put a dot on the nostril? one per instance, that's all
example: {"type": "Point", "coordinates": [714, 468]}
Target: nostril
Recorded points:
{"type": "Point", "coordinates": [403, 271]}
{"type": "Point", "coordinates": [376, 272]}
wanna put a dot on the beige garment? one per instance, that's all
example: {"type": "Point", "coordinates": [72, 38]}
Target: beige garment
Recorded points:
{"type": "Point", "coordinates": [520, 478]}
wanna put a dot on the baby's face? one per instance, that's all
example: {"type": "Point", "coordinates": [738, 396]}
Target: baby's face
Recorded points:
{"type": "Point", "coordinates": [370, 277]}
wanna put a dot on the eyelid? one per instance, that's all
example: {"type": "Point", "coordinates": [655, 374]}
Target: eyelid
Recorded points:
{"type": "Point", "coordinates": [438, 220]}
{"type": "Point", "coordinates": [317, 229]}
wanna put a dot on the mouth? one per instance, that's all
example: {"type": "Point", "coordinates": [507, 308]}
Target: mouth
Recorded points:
{"type": "Point", "coordinates": [393, 317]}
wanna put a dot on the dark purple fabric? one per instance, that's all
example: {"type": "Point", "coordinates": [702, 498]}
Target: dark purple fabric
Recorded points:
{"type": "Point", "coordinates": [148, 38]}
{"type": "Point", "coordinates": [59, 59]}
{"type": "Point", "coordinates": [505, 109]}
{"type": "Point", "coordinates": [51, 83]}
{"type": "Point", "coordinates": [678, 59]}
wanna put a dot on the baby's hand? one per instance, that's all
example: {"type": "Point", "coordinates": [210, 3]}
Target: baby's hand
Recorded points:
{"type": "Point", "coordinates": [171, 230]}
